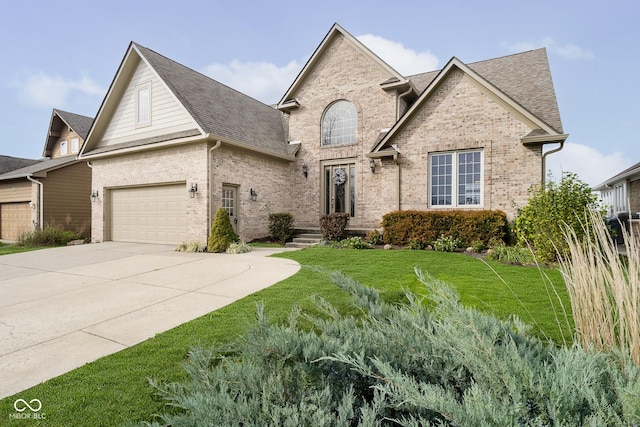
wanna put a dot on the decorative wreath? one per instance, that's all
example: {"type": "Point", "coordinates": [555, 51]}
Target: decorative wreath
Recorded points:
{"type": "Point", "coordinates": [339, 177]}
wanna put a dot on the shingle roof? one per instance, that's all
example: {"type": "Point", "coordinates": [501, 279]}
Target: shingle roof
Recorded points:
{"type": "Point", "coordinates": [41, 166]}
{"type": "Point", "coordinates": [632, 170]}
{"type": "Point", "coordinates": [80, 124]}
{"type": "Point", "coordinates": [524, 77]}
{"type": "Point", "coordinates": [8, 163]}
{"type": "Point", "coordinates": [219, 109]}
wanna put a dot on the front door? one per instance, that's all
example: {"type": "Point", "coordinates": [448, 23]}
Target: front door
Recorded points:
{"type": "Point", "coordinates": [230, 204]}
{"type": "Point", "coordinates": [340, 189]}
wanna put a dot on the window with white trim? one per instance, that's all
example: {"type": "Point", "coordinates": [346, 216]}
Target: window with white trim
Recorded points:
{"type": "Point", "coordinates": [339, 124]}
{"type": "Point", "coordinates": [75, 145]}
{"type": "Point", "coordinates": [455, 179]}
{"type": "Point", "coordinates": [63, 148]}
{"type": "Point", "coordinates": [143, 104]}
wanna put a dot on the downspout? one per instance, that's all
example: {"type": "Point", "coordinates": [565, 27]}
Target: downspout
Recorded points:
{"type": "Point", "coordinates": [397, 163]}
{"type": "Point", "coordinates": [400, 96]}
{"type": "Point", "coordinates": [544, 160]}
{"type": "Point", "coordinates": [209, 201]}
{"type": "Point", "coordinates": [40, 201]}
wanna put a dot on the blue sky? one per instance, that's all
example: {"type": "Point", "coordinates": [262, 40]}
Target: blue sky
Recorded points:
{"type": "Point", "coordinates": [65, 54]}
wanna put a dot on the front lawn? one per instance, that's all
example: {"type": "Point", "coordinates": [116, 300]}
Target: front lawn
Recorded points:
{"type": "Point", "coordinates": [10, 248]}
{"type": "Point", "coordinates": [114, 390]}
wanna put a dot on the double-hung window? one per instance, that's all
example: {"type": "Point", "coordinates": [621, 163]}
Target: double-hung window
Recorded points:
{"type": "Point", "coordinates": [455, 179]}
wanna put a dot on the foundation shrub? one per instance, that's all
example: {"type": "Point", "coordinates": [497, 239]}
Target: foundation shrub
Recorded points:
{"type": "Point", "coordinates": [50, 236]}
{"type": "Point", "coordinates": [374, 237]}
{"type": "Point", "coordinates": [400, 227]}
{"type": "Point", "coordinates": [333, 226]}
{"type": "Point", "coordinates": [222, 234]}
{"type": "Point", "coordinates": [281, 226]}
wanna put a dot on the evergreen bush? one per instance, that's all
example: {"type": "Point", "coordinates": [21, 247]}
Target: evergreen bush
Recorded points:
{"type": "Point", "coordinates": [427, 362]}
{"type": "Point", "coordinates": [281, 226]}
{"type": "Point", "coordinates": [333, 226]}
{"type": "Point", "coordinates": [222, 234]}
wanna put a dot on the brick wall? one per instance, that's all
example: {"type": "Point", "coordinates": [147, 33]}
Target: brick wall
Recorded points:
{"type": "Point", "coordinates": [186, 164]}
{"type": "Point", "coordinates": [343, 72]}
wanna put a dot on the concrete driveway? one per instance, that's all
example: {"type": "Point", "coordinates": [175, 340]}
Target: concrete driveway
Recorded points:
{"type": "Point", "coordinates": [63, 307]}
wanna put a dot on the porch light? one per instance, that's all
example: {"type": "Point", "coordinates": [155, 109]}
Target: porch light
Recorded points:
{"type": "Point", "coordinates": [305, 170]}
{"type": "Point", "coordinates": [253, 194]}
{"type": "Point", "coordinates": [94, 196]}
{"type": "Point", "coordinates": [193, 190]}
{"type": "Point", "coordinates": [372, 165]}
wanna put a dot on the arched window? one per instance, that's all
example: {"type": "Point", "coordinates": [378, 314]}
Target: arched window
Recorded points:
{"type": "Point", "coordinates": [340, 124]}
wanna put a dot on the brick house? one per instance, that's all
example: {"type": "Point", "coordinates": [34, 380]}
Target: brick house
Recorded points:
{"type": "Point", "coordinates": [620, 195]}
{"type": "Point", "coordinates": [169, 146]}
{"type": "Point", "coordinates": [54, 190]}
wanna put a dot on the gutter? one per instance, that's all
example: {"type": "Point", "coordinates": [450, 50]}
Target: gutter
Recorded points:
{"type": "Point", "coordinates": [40, 201]}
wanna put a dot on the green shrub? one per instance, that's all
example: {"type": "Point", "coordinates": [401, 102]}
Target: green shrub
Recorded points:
{"type": "Point", "coordinates": [466, 226]}
{"type": "Point", "coordinates": [191, 247]}
{"type": "Point", "coordinates": [222, 234]}
{"type": "Point", "coordinates": [238, 248]}
{"type": "Point", "coordinates": [374, 237]}
{"type": "Point", "coordinates": [417, 243]}
{"type": "Point", "coordinates": [517, 255]}
{"type": "Point", "coordinates": [352, 243]}
{"type": "Point", "coordinates": [281, 226]}
{"type": "Point", "coordinates": [50, 236]}
{"type": "Point", "coordinates": [333, 226]}
{"type": "Point", "coordinates": [540, 223]}
{"type": "Point", "coordinates": [478, 246]}
{"type": "Point", "coordinates": [431, 361]}
{"type": "Point", "coordinates": [446, 244]}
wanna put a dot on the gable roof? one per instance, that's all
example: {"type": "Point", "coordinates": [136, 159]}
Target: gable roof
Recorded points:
{"type": "Point", "coordinates": [522, 81]}
{"type": "Point", "coordinates": [220, 111]}
{"type": "Point", "coordinates": [78, 123]}
{"type": "Point", "coordinates": [8, 163]}
{"type": "Point", "coordinates": [394, 77]}
{"type": "Point", "coordinates": [627, 173]}
{"type": "Point", "coordinates": [41, 168]}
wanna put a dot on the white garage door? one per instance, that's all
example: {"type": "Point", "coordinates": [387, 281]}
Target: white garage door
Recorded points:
{"type": "Point", "coordinates": [155, 214]}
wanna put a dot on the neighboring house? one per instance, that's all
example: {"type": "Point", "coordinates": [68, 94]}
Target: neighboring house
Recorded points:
{"type": "Point", "coordinates": [8, 163]}
{"type": "Point", "coordinates": [54, 191]}
{"type": "Point", "coordinates": [169, 145]}
{"type": "Point", "coordinates": [620, 195]}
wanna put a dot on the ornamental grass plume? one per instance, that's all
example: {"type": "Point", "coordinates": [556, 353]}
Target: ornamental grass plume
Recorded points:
{"type": "Point", "coordinates": [604, 288]}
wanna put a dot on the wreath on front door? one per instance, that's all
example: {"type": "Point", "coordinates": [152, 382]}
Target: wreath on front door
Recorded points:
{"type": "Point", "coordinates": [339, 177]}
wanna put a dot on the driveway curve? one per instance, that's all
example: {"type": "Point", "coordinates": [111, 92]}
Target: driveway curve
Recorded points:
{"type": "Point", "coordinates": [61, 308]}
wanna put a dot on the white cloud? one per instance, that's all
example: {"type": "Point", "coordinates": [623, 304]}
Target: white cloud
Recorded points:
{"type": "Point", "coordinates": [261, 80]}
{"type": "Point", "coordinates": [591, 166]}
{"type": "Point", "coordinates": [45, 90]}
{"type": "Point", "coordinates": [406, 61]}
{"type": "Point", "coordinates": [568, 51]}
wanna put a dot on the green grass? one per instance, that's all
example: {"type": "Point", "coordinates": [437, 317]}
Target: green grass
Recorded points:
{"type": "Point", "coordinates": [114, 390]}
{"type": "Point", "coordinates": [10, 248]}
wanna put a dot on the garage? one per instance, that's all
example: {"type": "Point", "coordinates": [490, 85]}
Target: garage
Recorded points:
{"type": "Point", "coordinates": [15, 219]}
{"type": "Point", "coordinates": [152, 214]}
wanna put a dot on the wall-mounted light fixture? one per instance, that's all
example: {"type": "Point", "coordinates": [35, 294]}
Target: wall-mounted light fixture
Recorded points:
{"type": "Point", "coordinates": [372, 165]}
{"type": "Point", "coordinates": [193, 190]}
{"type": "Point", "coordinates": [253, 194]}
{"type": "Point", "coordinates": [94, 196]}
{"type": "Point", "coordinates": [305, 170]}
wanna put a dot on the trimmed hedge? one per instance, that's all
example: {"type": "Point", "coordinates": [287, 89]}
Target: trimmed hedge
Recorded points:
{"type": "Point", "coordinates": [400, 227]}
{"type": "Point", "coordinates": [281, 226]}
{"type": "Point", "coordinates": [333, 226]}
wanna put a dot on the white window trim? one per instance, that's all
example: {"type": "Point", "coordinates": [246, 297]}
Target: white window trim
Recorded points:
{"type": "Point", "coordinates": [454, 180]}
{"type": "Point", "coordinates": [64, 148]}
{"type": "Point", "coordinates": [75, 145]}
{"type": "Point", "coordinates": [139, 88]}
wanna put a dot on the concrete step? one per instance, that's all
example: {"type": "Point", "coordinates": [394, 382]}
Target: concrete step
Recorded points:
{"type": "Point", "coordinates": [304, 240]}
